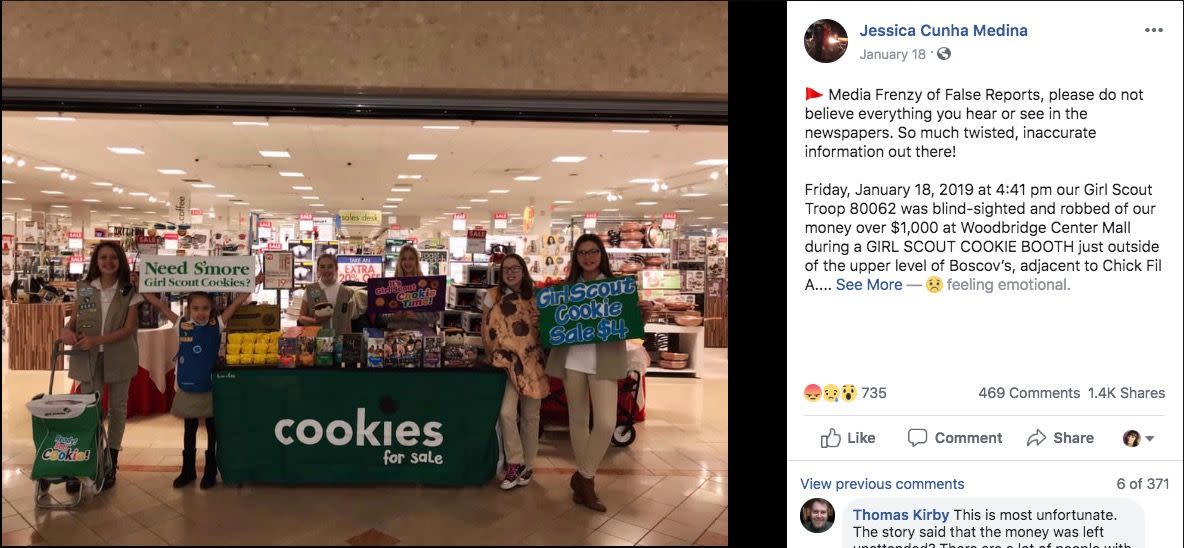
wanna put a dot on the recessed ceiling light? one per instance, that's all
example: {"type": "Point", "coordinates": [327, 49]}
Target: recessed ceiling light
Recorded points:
{"type": "Point", "coordinates": [125, 150]}
{"type": "Point", "coordinates": [478, 200]}
{"type": "Point", "coordinates": [684, 211]}
{"type": "Point", "coordinates": [569, 159]}
{"type": "Point", "coordinates": [126, 207]}
{"type": "Point", "coordinates": [101, 183]}
{"type": "Point", "coordinates": [706, 218]}
{"type": "Point", "coordinates": [723, 205]}
{"type": "Point", "coordinates": [59, 206]}
{"type": "Point", "coordinates": [262, 124]}
{"type": "Point", "coordinates": [302, 188]}
{"type": "Point", "coordinates": [56, 118]}
{"type": "Point", "coordinates": [695, 194]}
{"type": "Point", "coordinates": [91, 200]}
{"type": "Point", "coordinates": [527, 178]}
{"type": "Point", "coordinates": [291, 174]}
{"type": "Point", "coordinates": [647, 203]}
{"type": "Point", "coordinates": [714, 175]}
{"type": "Point", "coordinates": [52, 192]}
{"type": "Point", "coordinates": [316, 205]}
{"type": "Point", "coordinates": [394, 199]}
{"type": "Point", "coordinates": [15, 199]}
{"type": "Point", "coordinates": [390, 206]}
{"type": "Point", "coordinates": [697, 225]}
{"type": "Point", "coordinates": [464, 207]}
{"type": "Point", "coordinates": [712, 162]}
{"type": "Point", "coordinates": [416, 177]}
{"type": "Point", "coordinates": [423, 157]}
{"type": "Point", "coordinates": [645, 181]}
{"type": "Point", "coordinates": [562, 202]}
{"type": "Point", "coordinates": [274, 154]}
{"type": "Point", "coordinates": [441, 127]}
{"type": "Point", "coordinates": [7, 182]}
{"type": "Point", "coordinates": [171, 171]}
{"type": "Point", "coordinates": [54, 169]}
{"type": "Point", "coordinates": [202, 185]}
{"type": "Point", "coordinates": [310, 197]}
{"type": "Point", "coordinates": [612, 209]}
{"type": "Point", "coordinates": [499, 191]}
{"type": "Point", "coordinates": [225, 195]}
{"type": "Point", "coordinates": [322, 211]}
{"type": "Point", "coordinates": [137, 193]}
{"type": "Point", "coordinates": [246, 203]}
{"type": "Point", "coordinates": [631, 131]}
{"type": "Point", "coordinates": [401, 189]}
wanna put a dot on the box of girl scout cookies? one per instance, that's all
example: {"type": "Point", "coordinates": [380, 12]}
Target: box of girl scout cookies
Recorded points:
{"type": "Point", "coordinates": [255, 317]}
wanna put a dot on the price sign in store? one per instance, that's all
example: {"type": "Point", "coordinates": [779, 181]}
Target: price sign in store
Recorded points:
{"type": "Point", "coordinates": [590, 219]}
{"type": "Point", "coordinates": [476, 240]}
{"type": "Point", "coordinates": [195, 216]}
{"type": "Point", "coordinates": [459, 220]}
{"type": "Point", "coordinates": [501, 220]}
{"type": "Point", "coordinates": [265, 229]}
{"type": "Point", "coordinates": [669, 220]}
{"type": "Point", "coordinates": [77, 264]}
{"type": "Point", "coordinates": [274, 245]}
{"type": "Point", "coordinates": [170, 241]}
{"type": "Point", "coordinates": [277, 269]}
{"type": "Point", "coordinates": [306, 222]}
{"type": "Point", "coordinates": [75, 239]}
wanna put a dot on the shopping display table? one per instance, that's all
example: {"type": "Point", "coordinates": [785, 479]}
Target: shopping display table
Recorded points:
{"type": "Point", "coordinates": [153, 388]}
{"type": "Point", "coordinates": [328, 425]}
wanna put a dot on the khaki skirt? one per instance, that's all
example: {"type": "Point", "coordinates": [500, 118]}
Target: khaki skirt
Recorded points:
{"type": "Point", "coordinates": [193, 405]}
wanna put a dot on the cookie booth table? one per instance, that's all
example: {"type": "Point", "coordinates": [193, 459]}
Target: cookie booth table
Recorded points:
{"type": "Point", "coordinates": [330, 425]}
{"type": "Point", "coordinates": [153, 388]}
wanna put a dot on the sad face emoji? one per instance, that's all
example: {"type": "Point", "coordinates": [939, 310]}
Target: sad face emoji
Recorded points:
{"type": "Point", "coordinates": [812, 392]}
{"type": "Point", "coordinates": [934, 284]}
{"type": "Point", "coordinates": [830, 393]}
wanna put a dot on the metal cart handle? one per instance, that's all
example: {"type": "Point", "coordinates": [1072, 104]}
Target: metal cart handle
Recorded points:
{"type": "Point", "coordinates": [58, 352]}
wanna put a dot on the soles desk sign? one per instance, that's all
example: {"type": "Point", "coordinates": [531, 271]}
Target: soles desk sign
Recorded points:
{"type": "Point", "coordinates": [223, 274]}
{"type": "Point", "coordinates": [592, 312]}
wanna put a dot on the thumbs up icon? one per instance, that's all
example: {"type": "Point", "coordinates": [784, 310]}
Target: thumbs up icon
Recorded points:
{"type": "Point", "coordinates": [831, 439]}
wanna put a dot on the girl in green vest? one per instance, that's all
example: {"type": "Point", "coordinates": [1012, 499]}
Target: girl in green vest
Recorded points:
{"type": "Point", "coordinates": [104, 324]}
{"type": "Point", "coordinates": [327, 302]}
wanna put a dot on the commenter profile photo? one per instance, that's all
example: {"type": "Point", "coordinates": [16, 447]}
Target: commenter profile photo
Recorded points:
{"type": "Point", "coordinates": [825, 40]}
{"type": "Point", "coordinates": [818, 515]}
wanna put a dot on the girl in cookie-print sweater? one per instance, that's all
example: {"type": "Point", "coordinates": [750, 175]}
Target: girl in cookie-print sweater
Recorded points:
{"type": "Point", "coordinates": [510, 329]}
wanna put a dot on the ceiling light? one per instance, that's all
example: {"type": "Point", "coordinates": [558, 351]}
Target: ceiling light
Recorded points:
{"type": "Point", "coordinates": [263, 124]}
{"type": "Point", "coordinates": [202, 185]}
{"type": "Point", "coordinates": [416, 177]}
{"type": "Point", "coordinates": [706, 218]}
{"type": "Point", "coordinates": [695, 194]}
{"type": "Point", "coordinates": [322, 211]}
{"type": "Point", "coordinates": [645, 181]}
{"type": "Point", "coordinates": [137, 194]}
{"type": "Point", "coordinates": [246, 203]}
{"type": "Point", "coordinates": [91, 200]}
{"type": "Point", "coordinates": [527, 178]}
{"type": "Point", "coordinates": [611, 210]}
{"type": "Point", "coordinates": [225, 195]}
{"type": "Point", "coordinates": [125, 150]}
{"type": "Point", "coordinates": [20, 162]}
{"type": "Point", "coordinates": [126, 207]}
{"type": "Point", "coordinates": [714, 175]}
{"type": "Point", "coordinates": [7, 182]}
{"type": "Point", "coordinates": [712, 162]}
{"type": "Point", "coordinates": [479, 200]}
{"type": "Point", "coordinates": [390, 206]}
{"type": "Point", "coordinates": [631, 131]}
{"type": "Point", "coordinates": [499, 191]}
{"type": "Point", "coordinates": [52, 192]}
{"type": "Point", "coordinates": [656, 187]}
{"type": "Point", "coordinates": [310, 197]}
{"type": "Point", "coordinates": [441, 127]}
{"type": "Point", "coordinates": [464, 207]}
{"type": "Point", "coordinates": [424, 157]}
{"type": "Point", "coordinates": [401, 189]}
{"type": "Point", "coordinates": [274, 154]}
{"type": "Point", "coordinates": [684, 211]}
{"type": "Point", "coordinates": [664, 186]}
{"type": "Point", "coordinates": [562, 202]}
{"type": "Point", "coordinates": [291, 174]}
{"type": "Point", "coordinates": [394, 199]}
{"type": "Point", "coordinates": [49, 168]}
{"type": "Point", "coordinates": [8, 159]}
{"type": "Point", "coordinates": [723, 205]}
{"type": "Point", "coordinates": [59, 206]}
{"type": "Point", "coordinates": [101, 183]}
{"type": "Point", "coordinates": [302, 188]}
{"type": "Point", "coordinates": [16, 199]}
{"type": "Point", "coordinates": [647, 203]}
{"type": "Point", "coordinates": [65, 175]}
{"type": "Point", "coordinates": [171, 171]}
{"type": "Point", "coordinates": [56, 118]}
{"type": "Point", "coordinates": [697, 225]}
{"type": "Point", "coordinates": [569, 159]}
{"type": "Point", "coordinates": [152, 199]}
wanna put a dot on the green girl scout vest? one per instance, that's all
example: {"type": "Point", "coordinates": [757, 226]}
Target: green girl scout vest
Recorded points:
{"type": "Point", "coordinates": [340, 320]}
{"type": "Point", "coordinates": [121, 360]}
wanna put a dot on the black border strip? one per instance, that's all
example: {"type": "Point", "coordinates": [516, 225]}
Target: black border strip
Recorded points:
{"type": "Point", "coordinates": [231, 103]}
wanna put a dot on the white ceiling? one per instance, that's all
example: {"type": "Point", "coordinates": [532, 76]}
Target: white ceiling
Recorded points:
{"type": "Point", "coordinates": [472, 160]}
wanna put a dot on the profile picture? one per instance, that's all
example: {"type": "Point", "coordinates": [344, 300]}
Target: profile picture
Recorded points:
{"type": "Point", "coordinates": [825, 40]}
{"type": "Point", "coordinates": [818, 515]}
{"type": "Point", "coordinates": [1131, 438]}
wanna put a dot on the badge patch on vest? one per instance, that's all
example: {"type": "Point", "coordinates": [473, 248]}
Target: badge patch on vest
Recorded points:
{"type": "Point", "coordinates": [86, 325]}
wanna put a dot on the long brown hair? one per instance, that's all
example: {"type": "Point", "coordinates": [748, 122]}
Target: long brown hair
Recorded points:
{"type": "Point", "coordinates": [576, 270]}
{"type": "Point", "coordinates": [399, 262]}
{"type": "Point", "coordinates": [125, 272]}
{"type": "Point", "coordinates": [527, 283]}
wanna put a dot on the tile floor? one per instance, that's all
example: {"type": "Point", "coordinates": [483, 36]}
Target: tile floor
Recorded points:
{"type": "Point", "coordinates": [669, 488]}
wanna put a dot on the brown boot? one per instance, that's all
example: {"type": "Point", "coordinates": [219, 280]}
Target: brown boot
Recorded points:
{"type": "Point", "coordinates": [586, 494]}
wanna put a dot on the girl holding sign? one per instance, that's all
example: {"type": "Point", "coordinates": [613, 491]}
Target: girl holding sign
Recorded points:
{"type": "Point", "coordinates": [590, 370]}
{"type": "Point", "coordinates": [510, 328]}
{"type": "Point", "coordinates": [327, 302]}
{"type": "Point", "coordinates": [105, 323]}
{"type": "Point", "coordinates": [410, 319]}
{"type": "Point", "coordinates": [200, 339]}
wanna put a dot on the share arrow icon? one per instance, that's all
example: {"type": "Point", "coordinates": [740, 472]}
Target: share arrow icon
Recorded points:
{"type": "Point", "coordinates": [811, 93]}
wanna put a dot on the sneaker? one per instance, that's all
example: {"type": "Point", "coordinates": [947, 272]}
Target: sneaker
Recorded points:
{"type": "Point", "coordinates": [524, 478]}
{"type": "Point", "coordinates": [513, 471]}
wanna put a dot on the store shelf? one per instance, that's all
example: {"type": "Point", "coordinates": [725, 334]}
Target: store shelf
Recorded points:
{"type": "Point", "coordinates": [642, 250]}
{"type": "Point", "coordinates": [663, 372]}
{"type": "Point", "coordinates": [670, 328]}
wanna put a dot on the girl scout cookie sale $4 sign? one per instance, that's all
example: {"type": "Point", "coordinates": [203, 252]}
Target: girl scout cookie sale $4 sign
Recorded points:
{"type": "Point", "coordinates": [592, 312]}
{"type": "Point", "coordinates": [228, 274]}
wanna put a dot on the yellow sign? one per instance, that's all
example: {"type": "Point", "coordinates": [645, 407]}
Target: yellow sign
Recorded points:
{"type": "Point", "coordinates": [360, 217]}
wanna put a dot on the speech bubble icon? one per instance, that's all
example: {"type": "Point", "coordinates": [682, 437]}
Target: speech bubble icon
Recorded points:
{"type": "Point", "coordinates": [917, 436]}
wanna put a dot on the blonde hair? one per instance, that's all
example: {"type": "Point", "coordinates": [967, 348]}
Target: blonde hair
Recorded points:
{"type": "Point", "coordinates": [399, 264]}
